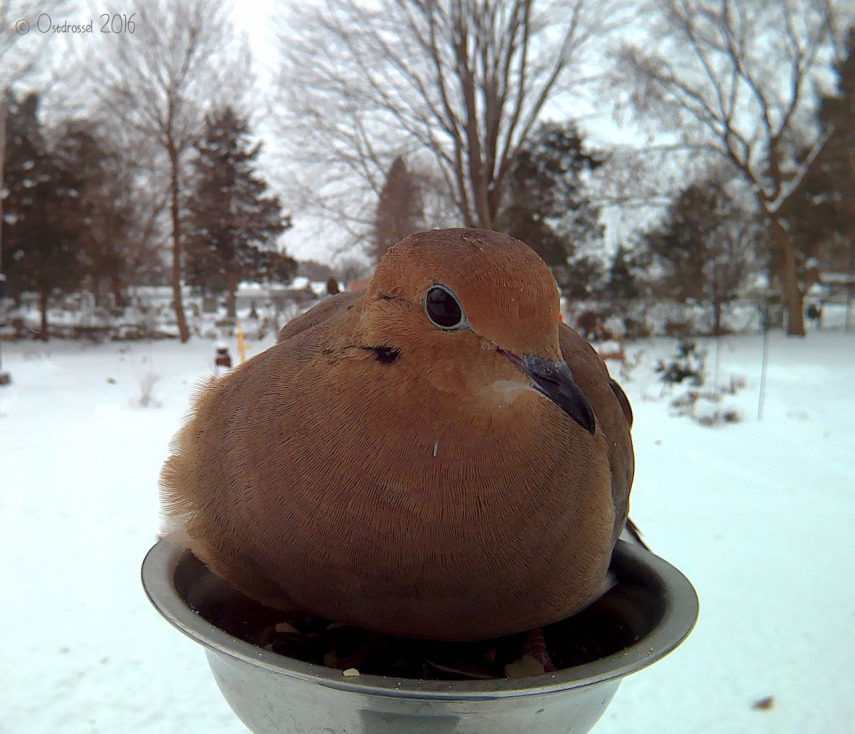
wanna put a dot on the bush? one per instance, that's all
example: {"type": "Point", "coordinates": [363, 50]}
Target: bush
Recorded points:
{"type": "Point", "coordinates": [687, 364]}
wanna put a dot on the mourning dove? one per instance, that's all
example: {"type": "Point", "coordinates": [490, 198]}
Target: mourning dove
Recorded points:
{"type": "Point", "coordinates": [433, 457]}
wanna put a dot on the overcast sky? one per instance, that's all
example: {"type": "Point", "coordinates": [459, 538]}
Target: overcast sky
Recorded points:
{"type": "Point", "coordinates": [310, 237]}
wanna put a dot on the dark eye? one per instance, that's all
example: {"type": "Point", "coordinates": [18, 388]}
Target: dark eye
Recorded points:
{"type": "Point", "coordinates": [443, 308]}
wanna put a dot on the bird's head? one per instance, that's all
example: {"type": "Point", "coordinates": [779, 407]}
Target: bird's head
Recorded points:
{"type": "Point", "coordinates": [483, 299]}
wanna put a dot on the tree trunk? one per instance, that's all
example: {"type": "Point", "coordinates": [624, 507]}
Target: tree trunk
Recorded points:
{"type": "Point", "coordinates": [231, 286]}
{"type": "Point", "coordinates": [717, 303]}
{"type": "Point", "coordinates": [43, 306]}
{"type": "Point", "coordinates": [850, 289]}
{"type": "Point", "coordinates": [793, 296]}
{"type": "Point", "coordinates": [183, 331]}
{"type": "Point", "coordinates": [117, 288]}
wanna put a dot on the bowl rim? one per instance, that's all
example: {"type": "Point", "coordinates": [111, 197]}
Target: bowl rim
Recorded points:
{"type": "Point", "coordinates": [680, 614]}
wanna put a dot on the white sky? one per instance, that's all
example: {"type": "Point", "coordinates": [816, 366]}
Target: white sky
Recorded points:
{"type": "Point", "coordinates": [310, 238]}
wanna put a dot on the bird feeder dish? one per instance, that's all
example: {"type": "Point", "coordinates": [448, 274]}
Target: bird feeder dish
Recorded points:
{"type": "Point", "coordinates": [271, 693]}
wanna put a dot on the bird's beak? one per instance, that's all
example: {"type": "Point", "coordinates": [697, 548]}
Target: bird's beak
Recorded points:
{"type": "Point", "coordinates": [554, 380]}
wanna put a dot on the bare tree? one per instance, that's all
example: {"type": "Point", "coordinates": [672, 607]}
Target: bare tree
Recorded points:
{"type": "Point", "coordinates": [737, 77]}
{"type": "Point", "coordinates": [159, 81]}
{"type": "Point", "coordinates": [464, 80]}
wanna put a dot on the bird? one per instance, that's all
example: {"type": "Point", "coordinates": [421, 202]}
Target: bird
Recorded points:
{"type": "Point", "coordinates": [434, 457]}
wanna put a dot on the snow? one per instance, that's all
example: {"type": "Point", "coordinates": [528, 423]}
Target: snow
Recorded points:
{"type": "Point", "coordinates": [758, 514]}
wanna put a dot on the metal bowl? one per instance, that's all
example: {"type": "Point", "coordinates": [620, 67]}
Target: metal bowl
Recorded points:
{"type": "Point", "coordinates": [652, 606]}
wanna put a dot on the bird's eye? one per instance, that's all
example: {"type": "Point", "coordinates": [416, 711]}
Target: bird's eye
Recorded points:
{"type": "Point", "coordinates": [443, 308]}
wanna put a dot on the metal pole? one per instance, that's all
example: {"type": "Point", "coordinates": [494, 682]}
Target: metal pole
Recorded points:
{"type": "Point", "coordinates": [763, 361]}
{"type": "Point", "coordinates": [4, 376]}
{"type": "Point", "coordinates": [715, 369]}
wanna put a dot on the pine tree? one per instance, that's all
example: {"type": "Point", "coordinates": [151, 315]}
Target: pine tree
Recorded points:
{"type": "Point", "coordinates": [43, 224]}
{"type": "Point", "coordinates": [622, 284]}
{"type": "Point", "coordinates": [704, 248]}
{"type": "Point", "coordinates": [821, 213]}
{"type": "Point", "coordinates": [679, 244]}
{"type": "Point", "coordinates": [109, 249]}
{"type": "Point", "coordinates": [547, 207]}
{"type": "Point", "coordinates": [839, 162]}
{"type": "Point", "coordinates": [233, 222]}
{"type": "Point", "coordinates": [399, 210]}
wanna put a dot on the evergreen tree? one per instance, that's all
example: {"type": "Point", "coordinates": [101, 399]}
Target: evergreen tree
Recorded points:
{"type": "Point", "coordinates": [838, 157]}
{"type": "Point", "coordinates": [399, 210]}
{"type": "Point", "coordinates": [108, 247]}
{"type": "Point", "coordinates": [547, 207]}
{"type": "Point", "coordinates": [43, 224]}
{"type": "Point", "coordinates": [233, 222]}
{"type": "Point", "coordinates": [622, 284]}
{"type": "Point", "coordinates": [821, 213]}
{"type": "Point", "coordinates": [678, 245]}
{"type": "Point", "coordinates": [704, 248]}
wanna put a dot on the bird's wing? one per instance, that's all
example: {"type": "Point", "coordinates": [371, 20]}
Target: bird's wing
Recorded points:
{"type": "Point", "coordinates": [612, 410]}
{"type": "Point", "coordinates": [329, 308]}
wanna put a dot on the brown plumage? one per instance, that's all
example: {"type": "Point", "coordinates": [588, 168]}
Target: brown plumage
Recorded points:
{"type": "Point", "coordinates": [392, 466]}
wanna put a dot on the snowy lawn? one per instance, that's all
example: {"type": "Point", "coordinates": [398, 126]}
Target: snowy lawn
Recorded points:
{"type": "Point", "coordinates": [758, 514]}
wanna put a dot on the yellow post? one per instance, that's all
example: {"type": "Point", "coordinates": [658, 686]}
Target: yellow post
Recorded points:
{"type": "Point", "coordinates": [242, 345]}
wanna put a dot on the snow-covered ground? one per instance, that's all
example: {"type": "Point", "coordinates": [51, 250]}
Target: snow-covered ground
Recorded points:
{"type": "Point", "coordinates": [759, 514]}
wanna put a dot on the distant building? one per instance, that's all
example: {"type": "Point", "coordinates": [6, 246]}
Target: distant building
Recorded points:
{"type": "Point", "coordinates": [837, 286]}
